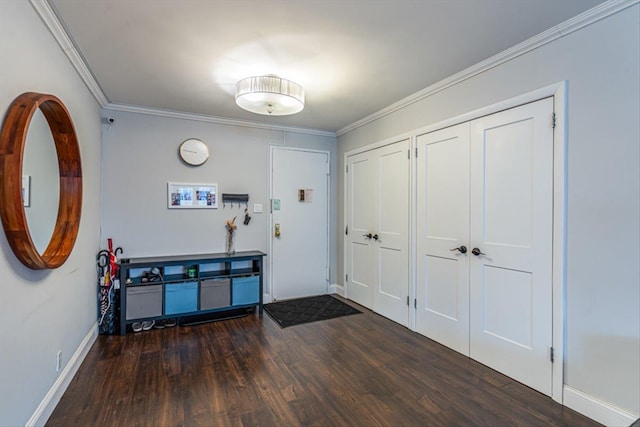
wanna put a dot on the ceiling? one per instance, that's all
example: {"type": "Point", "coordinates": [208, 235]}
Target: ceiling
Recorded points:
{"type": "Point", "coordinates": [353, 57]}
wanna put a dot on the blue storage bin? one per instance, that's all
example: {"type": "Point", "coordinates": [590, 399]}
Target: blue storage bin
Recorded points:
{"type": "Point", "coordinates": [245, 290]}
{"type": "Point", "coordinates": [180, 297]}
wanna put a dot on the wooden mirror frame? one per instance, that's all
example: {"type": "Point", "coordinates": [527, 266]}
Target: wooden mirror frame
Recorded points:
{"type": "Point", "coordinates": [12, 142]}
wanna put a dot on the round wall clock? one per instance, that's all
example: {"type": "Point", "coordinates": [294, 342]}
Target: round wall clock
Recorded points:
{"type": "Point", "coordinates": [194, 152]}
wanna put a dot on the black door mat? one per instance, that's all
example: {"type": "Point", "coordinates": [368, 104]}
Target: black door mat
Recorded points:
{"type": "Point", "coordinates": [305, 310]}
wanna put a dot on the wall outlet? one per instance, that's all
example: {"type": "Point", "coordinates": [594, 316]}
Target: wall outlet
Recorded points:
{"type": "Point", "coordinates": [58, 360]}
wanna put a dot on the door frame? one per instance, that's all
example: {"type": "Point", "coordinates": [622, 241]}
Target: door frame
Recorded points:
{"type": "Point", "coordinates": [269, 274]}
{"type": "Point", "coordinates": [559, 93]}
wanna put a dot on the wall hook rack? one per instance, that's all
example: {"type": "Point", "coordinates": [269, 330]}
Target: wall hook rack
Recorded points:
{"type": "Point", "coordinates": [235, 198]}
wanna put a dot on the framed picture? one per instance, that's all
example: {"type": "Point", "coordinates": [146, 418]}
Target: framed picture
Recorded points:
{"type": "Point", "coordinates": [192, 196]}
{"type": "Point", "coordinates": [26, 190]}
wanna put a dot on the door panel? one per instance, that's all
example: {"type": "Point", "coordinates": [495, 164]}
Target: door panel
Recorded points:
{"type": "Point", "coordinates": [360, 274]}
{"type": "Point", "coordinates": [361, 194]}
{"type": "Point", "coordinates": [392, 245]}
{"type": "Point", "coordinates": [507, 306]}
{"type": "Point", "coordinates": [359, 268]}
{"type": "Point", "coordinates": [443, 224]}
{"type": "Point", "coordinates": [508, 151]}
{"type": "Point", "coordinates": [441, 296]}
{"type": "Point", "coordinates": [511, 223]}
{"type": "Point", "coordinates": [304, 226]}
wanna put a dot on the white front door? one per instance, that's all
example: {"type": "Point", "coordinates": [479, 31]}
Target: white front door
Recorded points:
{"type": "Point", "coordinates": [377, 264]}
{"type": "Point", "coordinates": [299, 258]}
{"type": "Point", "coordinates": [442, 309]}
{"type": "Point", "coordinates": [511, 216]}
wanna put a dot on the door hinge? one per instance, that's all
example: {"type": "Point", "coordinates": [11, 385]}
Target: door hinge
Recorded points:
{"type": "Point", "coordinates": [328, 273]}
{"type": "Point", "coordinates": [407, 300]}
{"type": "Point", "coordinates": [346, 230]}
{"type": "Point", "coordinates": [553, 120]}
{"type": "Point", "coordinates": [551, 356]}
{"type": "Point", "coordinates": [346, 276]}
{"type": "Point", "coordinates": [408, 154]}
{"type": "Point", "coordinates": [415, 303]}
{"type": "Point", "coordinates": [416, 152]}
{"type": "Point", "coordinates": [347, 168]}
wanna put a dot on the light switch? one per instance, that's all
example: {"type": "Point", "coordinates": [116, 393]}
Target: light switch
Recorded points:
{"type": "Point", "coordinates": [257, 208]}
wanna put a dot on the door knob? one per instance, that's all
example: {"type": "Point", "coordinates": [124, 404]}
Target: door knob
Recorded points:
{"type": "Point", "coordinates": [277, 231]}
{"type": "Point", "coordinates": [477, 252]}
{"type": "Point", "coordinates": [375, 237]}
{"type": "Point", "coordinates": [368, 236]}
{"type": "Point", "coordinates": [462, 249]}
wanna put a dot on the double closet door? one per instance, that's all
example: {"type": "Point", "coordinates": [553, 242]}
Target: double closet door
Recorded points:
{"type": "Point", "coordinates": [484, 240]}
{"type": "Point", "coordinates": [377, 261]}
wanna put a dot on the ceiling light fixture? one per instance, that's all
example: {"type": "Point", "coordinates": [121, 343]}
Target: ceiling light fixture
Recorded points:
{"type": "Point", "coordinates": [269, 95]}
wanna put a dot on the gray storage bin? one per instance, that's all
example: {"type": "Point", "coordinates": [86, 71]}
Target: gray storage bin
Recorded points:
{"type": "Point", "coordinates": [215, 293]}
{"type": "Point", "coordinates": [144, 301]}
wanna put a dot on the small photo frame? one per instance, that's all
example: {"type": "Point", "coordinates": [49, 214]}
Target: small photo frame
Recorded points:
{"type": "Point", "coordinates": [26, 190]}
{"type": "Point", "coordinates": [192, 196]}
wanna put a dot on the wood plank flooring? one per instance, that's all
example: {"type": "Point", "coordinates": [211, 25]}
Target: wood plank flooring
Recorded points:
{"type": "Point", "coordinates": [360, 370]}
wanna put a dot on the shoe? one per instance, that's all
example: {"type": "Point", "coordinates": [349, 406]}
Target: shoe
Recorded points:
{"type": "Point", "coordinates": [159, 324]}
{"type": "Point", "coordinates": [170, 323]}
{"type": "Point", "coordinates": [147, 324]}
{"type": "Point", "coordinates": [136, 326]}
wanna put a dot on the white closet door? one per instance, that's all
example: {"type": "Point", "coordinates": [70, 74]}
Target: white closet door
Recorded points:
{"type": "Point", "coordinates": [511, 224]}
{"type": "Point", "coordinates": [378, 230]}
{"type": "Point", "coordinates": [442, 311]}
{"type": "Point", "coordinates": [360, 223]}
{"type": "Point", "coordinates": [391, 247]}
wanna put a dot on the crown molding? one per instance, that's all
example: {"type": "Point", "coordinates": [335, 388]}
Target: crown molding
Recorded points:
{"type": "Point", "coordinates": [585, 19]}
{"type": "Point", "coordinates": [213, 119]}
{"type": "Point", "coordinates": [57, 29]}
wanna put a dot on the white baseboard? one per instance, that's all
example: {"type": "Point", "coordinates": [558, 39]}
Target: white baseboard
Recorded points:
{"type": "Point", "coordinates": [336, 289]}
{"type": "Point", "coordinates": [596, 409]}
{"type": "Point", "coordinates": [51, 399]}
{"type": "Point", "coordinates": [266, 298]}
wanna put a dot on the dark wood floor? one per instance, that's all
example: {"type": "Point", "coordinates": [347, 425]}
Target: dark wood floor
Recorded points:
{"type": "Point", "coordinates": [360, 370]}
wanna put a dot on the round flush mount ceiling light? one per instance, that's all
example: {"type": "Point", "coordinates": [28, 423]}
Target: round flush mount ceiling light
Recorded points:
{"type": "Point", "coordinates": [269, 95]}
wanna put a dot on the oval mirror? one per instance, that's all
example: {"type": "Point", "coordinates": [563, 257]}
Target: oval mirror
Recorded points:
{"type": "Point", "coordinates": [53, 252]}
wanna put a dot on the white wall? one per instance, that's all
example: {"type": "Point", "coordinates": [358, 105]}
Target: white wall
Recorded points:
{"type": "Point", "coordinates": [140, 155]}
{"type": "Point", "coordinates": [601, 64]}
{"type": "Point", "coordinates": [42, 312]}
